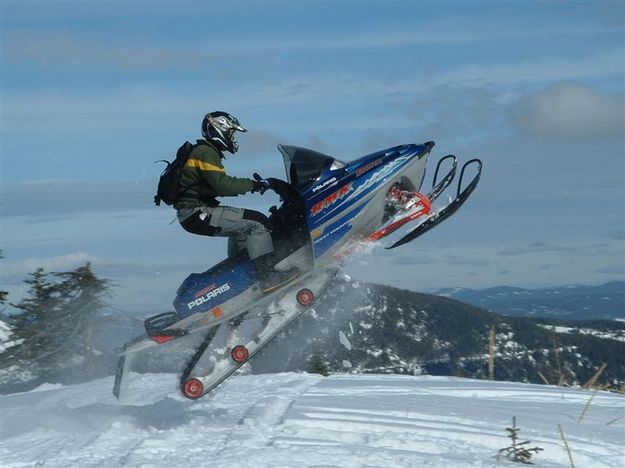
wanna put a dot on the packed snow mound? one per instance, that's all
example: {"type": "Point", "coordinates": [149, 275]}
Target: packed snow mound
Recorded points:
{"type": "Point", "coordinates": [303, 420]}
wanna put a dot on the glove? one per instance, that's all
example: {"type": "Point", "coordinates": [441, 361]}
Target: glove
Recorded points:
{"type": "Point", "coordinates": [274, 184]}
{"type": "Point", "coordinates": [260, 185]}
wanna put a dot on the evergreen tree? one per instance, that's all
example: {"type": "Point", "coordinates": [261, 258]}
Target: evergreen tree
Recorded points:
{"type": "Point", "coordinates": [32, 324]}
{"type": "Point", "coordinates": [317, 364]}
{"type": "Point", "coordinates": [83, 292]}
{"type": "Point", "coordinates": [54, 323]}
{"type": "Point", "coordinates": [517, 452]}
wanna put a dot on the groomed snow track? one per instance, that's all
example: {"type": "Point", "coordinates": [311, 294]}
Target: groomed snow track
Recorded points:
{"type": "Point", "coordinates": [308, 421]}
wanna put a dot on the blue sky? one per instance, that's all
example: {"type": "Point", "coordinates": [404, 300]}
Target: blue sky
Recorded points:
{"type": "Point", "coordinates": [92, 93]}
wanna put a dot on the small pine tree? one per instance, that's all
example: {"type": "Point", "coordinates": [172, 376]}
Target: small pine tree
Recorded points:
{"type": "Point", "coordinates": [516, 452]}
{"type": "Point", "coordinates": [317, 364]}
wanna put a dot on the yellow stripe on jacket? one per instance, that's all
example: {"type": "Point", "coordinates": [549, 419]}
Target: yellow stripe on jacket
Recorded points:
{"type": "Point", "coordinates": [203, 166]}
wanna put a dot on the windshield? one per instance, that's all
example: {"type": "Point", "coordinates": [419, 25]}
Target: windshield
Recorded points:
{"type": "Point", "coordinates": [304, 165]}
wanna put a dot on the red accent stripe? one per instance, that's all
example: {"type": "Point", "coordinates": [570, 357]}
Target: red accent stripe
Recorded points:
{"type": "Point", "coordinates": [160, 339]}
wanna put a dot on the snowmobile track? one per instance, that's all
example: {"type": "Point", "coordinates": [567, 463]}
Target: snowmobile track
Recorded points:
{"type": "Point", "coordinates": [266, 415]}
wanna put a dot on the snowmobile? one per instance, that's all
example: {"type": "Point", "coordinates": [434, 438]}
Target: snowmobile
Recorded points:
{"type": "Point", "coordinates": [329, 209]}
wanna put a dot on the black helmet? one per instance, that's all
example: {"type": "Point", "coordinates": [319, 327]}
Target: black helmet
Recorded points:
{"type": "Point", "coordinates": [219, 128]}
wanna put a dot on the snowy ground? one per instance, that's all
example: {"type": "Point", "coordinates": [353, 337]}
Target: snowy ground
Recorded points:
{"type": "Point", "coordinates": [301, 420]}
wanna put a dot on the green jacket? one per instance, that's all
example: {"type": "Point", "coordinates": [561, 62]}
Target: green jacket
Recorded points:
{"type": "Point", "coordinates": [204, 178]}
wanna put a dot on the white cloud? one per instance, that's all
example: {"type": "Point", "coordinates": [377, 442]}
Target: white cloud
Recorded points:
{"type": "Point", "coordinates": [542, 68]}
{"type": "Point", "coordinates": [49, 264]}
{"type": "Point", "coordinates": [71, 49]}
{"type": "Point", "coordinates": [540, 247]}
{"type": "Point", "coordinates": [571, 111]}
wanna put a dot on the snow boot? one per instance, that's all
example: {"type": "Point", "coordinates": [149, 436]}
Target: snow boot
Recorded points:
{"type": "Point", "coordinates": [269, 278]}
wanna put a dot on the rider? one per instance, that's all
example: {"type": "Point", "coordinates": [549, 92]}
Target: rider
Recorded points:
{"type": "Point", "coordinates": [204, 178]}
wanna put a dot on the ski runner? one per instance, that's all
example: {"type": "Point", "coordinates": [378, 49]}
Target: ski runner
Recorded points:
{"type": "Point", "coordinates": [204, 178]}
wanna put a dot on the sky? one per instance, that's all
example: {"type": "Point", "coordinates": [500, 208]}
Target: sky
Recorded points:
{"type": "Point", "coordinates": [92, 93]}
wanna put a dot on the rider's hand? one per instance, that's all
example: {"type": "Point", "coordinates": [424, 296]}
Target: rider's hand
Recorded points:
{"type": "Point", "coordinates": [260, 185]}
{"type": "Point", "coordinates": [274, 184]}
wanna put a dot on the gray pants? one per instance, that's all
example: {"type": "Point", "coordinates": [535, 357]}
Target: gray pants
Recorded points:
{"type": "Point", "coordinates": [245, 229]}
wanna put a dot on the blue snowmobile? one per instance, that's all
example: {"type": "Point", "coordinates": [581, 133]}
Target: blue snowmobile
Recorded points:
{"type": "Point", "coordinates": [329, 209]}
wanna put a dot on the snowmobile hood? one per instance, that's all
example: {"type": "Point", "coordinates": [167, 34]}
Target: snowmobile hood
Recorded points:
{"type": "Point", "coordinates": [328, 185]}
{"type": "Point", "coordinates": [311, 172]}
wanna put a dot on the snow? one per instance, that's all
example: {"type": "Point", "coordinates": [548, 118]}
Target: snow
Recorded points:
{"type": "Point", "coordinates": [306, 420]}
{"type": "Point", "coordinates": [5, 337]}
{"type": "Point", "coordinates": [617, 335]}
{"type": "Point", "coordinates": [344, 341]}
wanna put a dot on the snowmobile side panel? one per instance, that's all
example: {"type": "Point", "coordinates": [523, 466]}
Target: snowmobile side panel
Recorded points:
{"type": "Point", "coordinates": [201, 292]}
{"type": "Point", "coordinates": [335, 231]}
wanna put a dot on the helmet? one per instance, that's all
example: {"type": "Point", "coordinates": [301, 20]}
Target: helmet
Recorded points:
{"type": "Point", "coordinates": [219, 128]}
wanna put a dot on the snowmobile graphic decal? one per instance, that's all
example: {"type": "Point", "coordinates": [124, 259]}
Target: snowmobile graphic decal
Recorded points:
{"type": "Point", "coordinates": [356, 190]}
{"type": "Point", "coordinates": [335, 231]}
{"type": "Point", "coordinates": [330, 199]}
{"type": "Point", "coordinates": [325, 184]}
{"type": "Point", "coordinates": [367, 167]}
{"type": "Point", "coordinates": [207, 294]}
{"type": "Point", "coordinates": [200, 293]}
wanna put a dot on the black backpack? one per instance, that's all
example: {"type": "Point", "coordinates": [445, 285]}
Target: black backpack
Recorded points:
{"type": "Point", "coordinates": [168, 189]}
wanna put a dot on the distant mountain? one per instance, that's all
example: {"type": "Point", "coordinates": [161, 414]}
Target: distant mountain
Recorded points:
{"type": "Point", "coordinates": [606, 301]}
{"type": "Point", "coordinates": [375, 328]}
{"type": "Point", "coordinates": [372, 328]}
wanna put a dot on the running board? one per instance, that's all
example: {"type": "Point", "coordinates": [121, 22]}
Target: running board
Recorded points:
{"type": "Point", "coordinates": [442, 215]}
